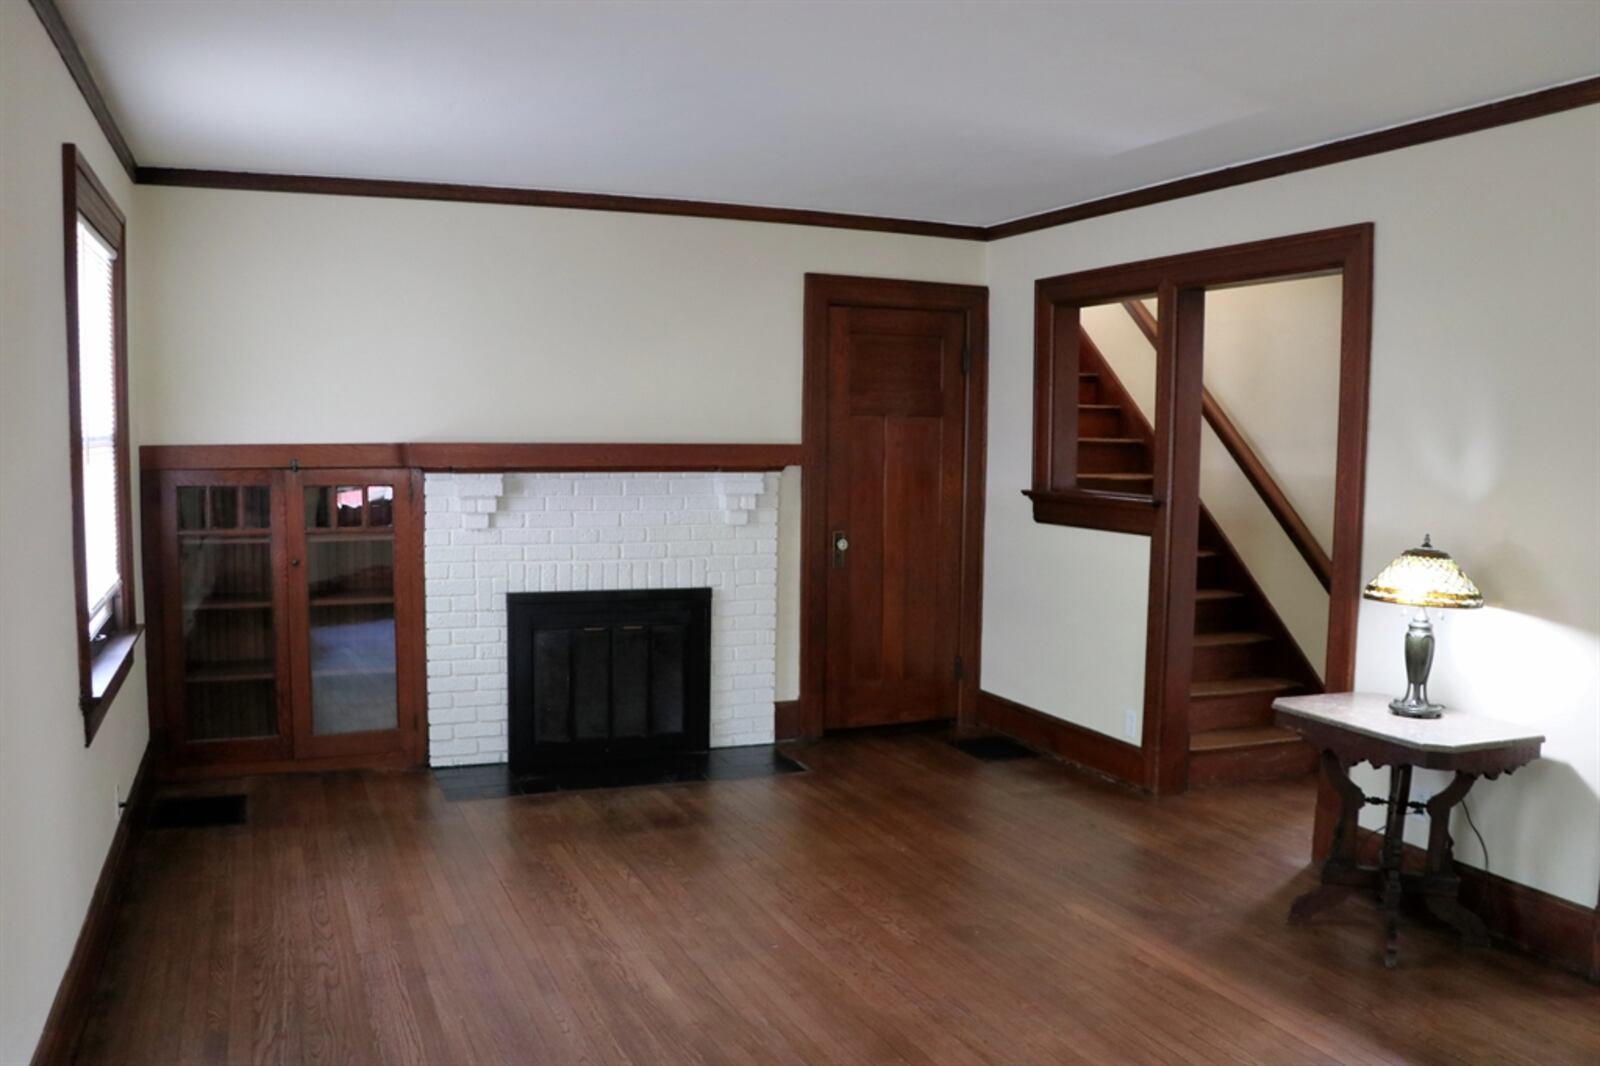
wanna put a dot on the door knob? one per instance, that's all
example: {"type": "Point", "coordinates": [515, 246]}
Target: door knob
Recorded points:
{"type": "Point", "coordinates": [841, 544]}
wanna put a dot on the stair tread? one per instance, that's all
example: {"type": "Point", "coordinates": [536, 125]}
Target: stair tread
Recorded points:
{"type": "Point", "coordinates": [1235, 636]}
{"type": "Point", "coordinates": [1205, 553]}
{"type": "Point", "coordinates": [1253, 736]}
{"type": "Point", "coordinates": [1241, 686]}
{"type": "Point", "coordinates": [1100, 407]}
{"type": "Point", "coordinates": [1109, 440]}
{"type": "Point", "coordinates": [1215, 594]}
{"type": "Point", "coordinates": [1117, 476]}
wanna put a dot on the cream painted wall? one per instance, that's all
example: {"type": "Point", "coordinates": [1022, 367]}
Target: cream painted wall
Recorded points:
{"type": "Point", "coordinates": [269, 318]}
{"type": "Point", "coordinates": [1271, 363]}
{"type": "Point", "coordinates": [57, 799]}
{"type": "Point", "coordinates": [1485, 375]}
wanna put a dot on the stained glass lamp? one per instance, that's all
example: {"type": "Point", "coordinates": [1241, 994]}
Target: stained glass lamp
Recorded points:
{"type": "Point", "coordinates": [1421, 577]}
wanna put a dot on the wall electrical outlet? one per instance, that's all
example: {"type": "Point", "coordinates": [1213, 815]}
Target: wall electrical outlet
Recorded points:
{"type": "Point", "coordinates": [116, 802]}
{"type": "Point", "coordinates": [1130, 724]}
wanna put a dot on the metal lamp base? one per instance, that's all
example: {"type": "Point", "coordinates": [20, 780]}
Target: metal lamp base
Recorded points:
{"type": "Point", "coordinates": [1419, 660]}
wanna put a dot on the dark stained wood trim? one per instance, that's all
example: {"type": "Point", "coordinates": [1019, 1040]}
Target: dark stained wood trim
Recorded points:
{"type": "Point", "coordinates": [268, 456]}
{"type": "Point", "coordinates": [1174, 542]}
{"type": "Point", "coordinates": [576, 201]}
{"type": "Point", "coordinates": [601, 457]}
{"type": "Point", "coordinates": [1439, 127]}
{"type": "Point", "coordinates": [78, 67]}
{"type": "Point", "coordinates": [1527, 919]}
{"type": "Point", "coordinates": [70, 1009]}
{"type": "Point", "coordinates": [1346, 250]}
{"type": "Point", "coordinates": [787, 719]}
{"type": "Point", "coordinates": [474, 456]}
{"type": "Point", "coordinates": [1255, 471]}
{"type": "Point", "coordinates": [1469, 120]}
{"type": "Point", "coordinates": [823, 291]}
{"type": "Point", "coordinates": [1073, 743]}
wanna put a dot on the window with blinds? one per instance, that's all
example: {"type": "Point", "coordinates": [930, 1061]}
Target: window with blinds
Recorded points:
{"type": "Point", "coordinates": [97, 376]}
{"type": "Point", "coordinates": [97, 421]}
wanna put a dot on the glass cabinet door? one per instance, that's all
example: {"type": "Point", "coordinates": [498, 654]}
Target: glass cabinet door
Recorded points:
{"type": "Point", "coordinates": [226, 648]}
{"type": "Point", "coordinates": [351, 699]}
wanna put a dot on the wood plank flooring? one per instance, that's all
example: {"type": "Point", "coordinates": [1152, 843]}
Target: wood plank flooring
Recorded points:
{"type": "Point", "coordinates": [901, 903]}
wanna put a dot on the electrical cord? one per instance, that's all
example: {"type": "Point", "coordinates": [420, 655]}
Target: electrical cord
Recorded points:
{"type": "Point", "coordinates": [1484, 848]}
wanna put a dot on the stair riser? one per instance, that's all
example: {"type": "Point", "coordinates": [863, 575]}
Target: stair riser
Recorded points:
{"type": "Point", "coordinates": [1099, 424]}
{"type": "Point", "coordinates": [1215, 616]}
{"type": "Point", "coordinates": [1270, 762]}
{"type": "Point", "coordinates": [1222, 661]}
{"type": "Point", "coordinates": [1112, 458]}
{"type": "Point", "coordinates": [1210, 571]}
{"type": "Point", "coordinates": [1088, 390]}
{"type": "Point", "coordinates": [1230, 712]}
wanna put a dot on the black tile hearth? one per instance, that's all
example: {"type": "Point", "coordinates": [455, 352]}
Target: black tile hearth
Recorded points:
{"type": "Point", "coordinates": [994, 749]}
{"type": "Point", "coordinates": [720, 764]}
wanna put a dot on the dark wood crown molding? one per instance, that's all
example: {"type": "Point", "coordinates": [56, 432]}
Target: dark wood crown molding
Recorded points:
{"type": "Point", "coordinates": [1439, 127]}
{"type": "Point", "coordinates": [575, 201]}
{"type": "Point", "coordinates": [475, 456]}
{"type": "Point", "coordinates": [78, 67]}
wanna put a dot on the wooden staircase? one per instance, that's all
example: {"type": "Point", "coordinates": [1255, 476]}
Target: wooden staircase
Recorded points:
{"type": "Point", "coordinates": [1244, 656]}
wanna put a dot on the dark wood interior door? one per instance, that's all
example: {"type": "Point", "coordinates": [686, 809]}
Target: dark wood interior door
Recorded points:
{"type": "Point", "coordinates": [897, 393]}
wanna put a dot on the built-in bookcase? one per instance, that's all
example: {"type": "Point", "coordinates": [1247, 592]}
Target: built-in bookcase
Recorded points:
{"type": "Point", "coordinates": [288, 616]}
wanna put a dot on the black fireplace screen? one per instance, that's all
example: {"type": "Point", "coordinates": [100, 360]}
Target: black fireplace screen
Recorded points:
{"type": "Point", "coordinates": [606, 676]}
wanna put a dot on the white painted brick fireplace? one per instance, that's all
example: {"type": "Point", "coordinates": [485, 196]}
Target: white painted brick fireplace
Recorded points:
{"type": "Point", "coordinates": [490, 534]}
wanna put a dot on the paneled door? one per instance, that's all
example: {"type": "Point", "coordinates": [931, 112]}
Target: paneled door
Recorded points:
{"type": "Point", "coordinates": [355, 596]}
{"type": "Point", "coordinates": [225, 622]}
{"type": "Point", "coordinates": [897, 401]}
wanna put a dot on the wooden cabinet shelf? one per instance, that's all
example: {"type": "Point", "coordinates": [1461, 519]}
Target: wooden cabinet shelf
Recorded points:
{"type": "Point", "coordinates": [354, 599]}
{"type": "Point", "coordinates": [222, 673]}
{"type": "Point", "coordinates": [229, 603]}
{"type": "Point", "coordinates": [293, 626]}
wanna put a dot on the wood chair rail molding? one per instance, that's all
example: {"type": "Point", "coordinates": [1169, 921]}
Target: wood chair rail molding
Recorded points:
{"type": "Point", "coordinates": [1169, 516]}
{"type": "Point", "coordinates": [478, 456]}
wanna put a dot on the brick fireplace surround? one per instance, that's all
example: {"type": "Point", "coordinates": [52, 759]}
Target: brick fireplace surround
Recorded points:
{"type": "Point", "coordinates": [490, 534]}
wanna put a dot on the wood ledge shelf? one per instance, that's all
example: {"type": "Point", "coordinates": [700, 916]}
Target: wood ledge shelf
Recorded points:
{"type": "Point", "coordinates": [107, 671]}
{"type": "Point", "coordinates": [1112, 511]}
{"type": "Point", "coordinates": [470, 457]}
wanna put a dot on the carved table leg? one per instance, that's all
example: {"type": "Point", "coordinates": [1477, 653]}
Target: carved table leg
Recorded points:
{"type": "Point", "coordinates": [1439, 881]}
{"type": "Point", "coordinates": [1340, 873]}
{"type": "Point", "coordinates": [1389, 878]}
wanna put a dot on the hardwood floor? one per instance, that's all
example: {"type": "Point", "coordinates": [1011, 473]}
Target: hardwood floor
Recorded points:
{"type": "Point", "coordinates": [901, 903]}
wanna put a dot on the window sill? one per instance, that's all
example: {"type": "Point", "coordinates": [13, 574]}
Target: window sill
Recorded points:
{"type": "Point", "coordinates": [107, 671]}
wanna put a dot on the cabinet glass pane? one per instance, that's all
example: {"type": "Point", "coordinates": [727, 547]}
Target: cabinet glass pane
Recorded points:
{"type": "Point", "coordinates": [352, 631]}
{"type": "Point", "coordinates": [347, 501]}
{"type": "Point", "coordinates": [257, 507]}
{"type": "Point", "coordinates": [230, 667]}
{"type": "Point", "coordinates": [319, 508]}
{"type": "Point", "coordinates": [380, 505]}
{"type": "Point", "coordinates": [191, 507]}
{"type": "Point", "coordinates": [224, 507]}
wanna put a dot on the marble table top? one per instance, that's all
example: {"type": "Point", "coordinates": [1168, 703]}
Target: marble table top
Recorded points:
{"type": "Point", "coordinates": [1367, 713]}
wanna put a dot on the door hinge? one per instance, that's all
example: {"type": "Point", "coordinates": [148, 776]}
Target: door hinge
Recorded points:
{"type": "Point", "coordinates": [961, 668]}
{"type": "Point", "coordinates": [966, 358]}
{"type": "Point", "coordinates": [294, 466]}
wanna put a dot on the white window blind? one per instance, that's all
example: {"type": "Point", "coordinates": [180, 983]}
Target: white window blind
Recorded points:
{"type": "Point", "coordinates": [97, 414]}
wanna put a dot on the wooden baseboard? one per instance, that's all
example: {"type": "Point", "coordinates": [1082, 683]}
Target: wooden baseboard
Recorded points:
{"type": "Point", "coordinates": [70, 1010]}
{"type": "Point", "coordinates": [1073, 743]}
{"type": "Point", "coordinates": [788, 721]}
{"type": "Point", "coordinates": [1549, 928]}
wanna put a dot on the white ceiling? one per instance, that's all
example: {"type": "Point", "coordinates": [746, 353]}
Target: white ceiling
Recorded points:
{"type": "Point", "coordinates": [956, 111]}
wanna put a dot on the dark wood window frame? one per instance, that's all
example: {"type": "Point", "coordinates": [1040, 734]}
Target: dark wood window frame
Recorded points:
{"type": "Point", "coordinates": [106, 656]}
{"type": "Point", "coordinates": [1170, 515]}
